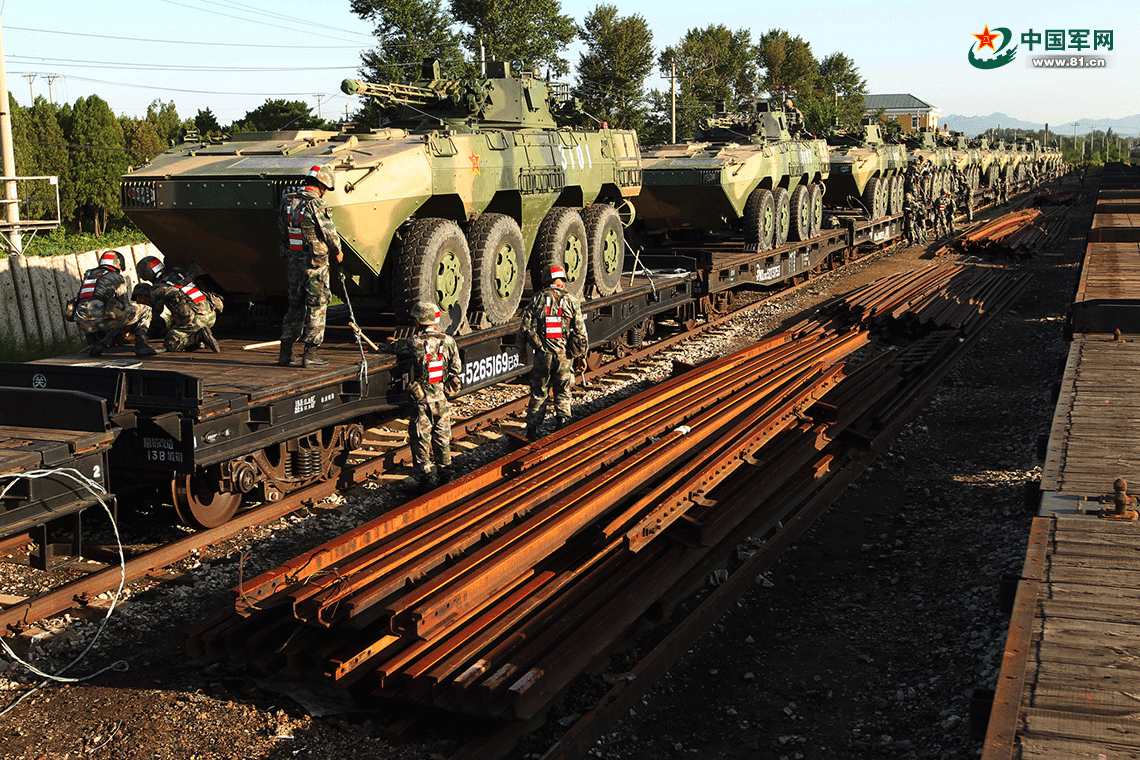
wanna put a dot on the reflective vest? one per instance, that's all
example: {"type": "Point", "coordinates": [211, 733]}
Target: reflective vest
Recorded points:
{"type": "Point", "coordinates": [87, 289]}
{"type": "Point", "coordinates": [296, 238]}
{"type": "Point", "coordinates": [435, 358]}
{"type": "Point", "coordinates": [191, 290]}
{"type": "Point", "coordinates": [553, 321]}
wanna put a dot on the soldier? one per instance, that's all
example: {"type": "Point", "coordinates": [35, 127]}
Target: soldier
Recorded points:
{"type": "Point", "coordinates": [103, 310]}
{"type": "Point", "coordinates": [969, 191]}
{"type": "Point", "coordinates": [192, 311]}
{"type": "Point", "coordinates": [910, 219]}
{"type": "Point", "coordinates": [552, 323]}
{"type": "Point", "coordinates": [912, 185]}
{"type": "Point", "coordinates": [307, 236]}
{"type": "Point", "coordinates": [951, 210]}
{"type": "Point", "coordinates": [941, 227]}
{"type": "Point", "coordinates": [437, 373]}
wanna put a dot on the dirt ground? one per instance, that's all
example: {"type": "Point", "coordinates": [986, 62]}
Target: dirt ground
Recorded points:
{"type": "Point", "coordinates": [867, 640]}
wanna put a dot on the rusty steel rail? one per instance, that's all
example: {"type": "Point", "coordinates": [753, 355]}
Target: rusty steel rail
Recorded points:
{"type": "Point", "coordinates": [489, 600]}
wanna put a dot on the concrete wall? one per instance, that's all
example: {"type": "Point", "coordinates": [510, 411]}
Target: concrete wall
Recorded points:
{"type": "Point", "coordinates": [34, 290]}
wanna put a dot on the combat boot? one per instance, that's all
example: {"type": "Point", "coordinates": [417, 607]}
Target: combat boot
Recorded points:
{"type": "Point", "coordinates": [208, 340]}
{"type": "Point", "coordinates": [311, 358]}
{"type": "Point", "coordinates": [446, 473]}
{"type": "Point", "coordinates": [142, 346]}
{"type": "Point", "coordinates": [532, 432]}
{"type": "Point", "coordinates": [94, 345]}
{"type": "Point", "coordinates": [285, 358]}
{"type": "Point", "coordinates": [561, 422]}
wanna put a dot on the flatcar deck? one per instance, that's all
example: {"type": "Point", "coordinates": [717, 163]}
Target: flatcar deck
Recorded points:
{"type": "Point", "coordinates": [1071, 668]}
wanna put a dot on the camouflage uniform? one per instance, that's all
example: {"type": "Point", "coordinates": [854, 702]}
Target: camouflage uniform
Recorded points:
{"type": "Point", "coordinates": [433, 411]}
{"type": "Point", "coordinates": [910, 219]}
{"type": "Point", "coordinates": [307, 251]}
{"type": "Point", "coordinates": [940, 226]}
{"type": "Point", "coordinates": [969, 202]}
{"type": "Point", "coordinates": [542, 330]}
{"type": "Point", "coordinates": [191, 311]}
{"type": "Point", "coordinates": [951, 210]}
{"type": "Point", "coordinates": [104, 310]}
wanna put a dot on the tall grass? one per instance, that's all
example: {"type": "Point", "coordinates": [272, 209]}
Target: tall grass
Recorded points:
{"type": "Point", "coordinates": [62, 241]}
{"type": "Point", "coordinates": [14, 350]}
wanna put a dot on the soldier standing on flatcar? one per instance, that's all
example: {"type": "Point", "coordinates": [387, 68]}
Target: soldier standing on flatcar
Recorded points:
{"type": "Point", "coordinates": [437, 373]}
{"type": "Point", "coordinates": [552, 324]}
{"type": "Point", "coordinates": [307, 235]}
{"type": "Point", "coordinates": [193, 312]}
{"type": "Point", "coordinates": [951, 209]}
{"type": "Point", "coordinates": [910, 219]}
{"type": "Point", "coordinates": [103, 310]}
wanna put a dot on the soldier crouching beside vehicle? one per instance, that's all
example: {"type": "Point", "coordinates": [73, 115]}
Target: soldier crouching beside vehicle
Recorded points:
{"type": "Point", "coordinates": [193, 311]}
{"type": "Point", "coordinates": [103, 310]}
{"type": "Point", "coordinates": [436, 375]}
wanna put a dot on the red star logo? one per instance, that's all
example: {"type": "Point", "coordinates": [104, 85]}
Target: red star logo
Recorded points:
{"type": "Point", "coordinates": [474, 159]}
{"type": "Point", "coordinates": [986, 39]}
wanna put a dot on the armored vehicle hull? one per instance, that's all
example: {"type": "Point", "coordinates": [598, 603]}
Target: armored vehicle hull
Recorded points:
{"type": "Point", "coordinates": [866, 172]}
{"type": "Point", "coordinates": [745, 172]}
{"type": "Point", "coordinates": [451, 207]}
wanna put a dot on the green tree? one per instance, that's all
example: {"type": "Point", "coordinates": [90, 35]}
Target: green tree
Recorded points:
{"type": "Point", "coordinates": [612, 71]}
{"type": "Point", "coordinates": [141, 140]}
{"type": "Point", "coordinates": [206, 123]}
{"type": "Point", "coordinates": [534, 31]}
{"type": "Point", "coordinates": [167, 125]}
{"type": "Point", "coordinates": [98, 160]}
{"type": "Point", "coordinates": [787, 62]}
{"type": "Point", "coordinates": [277, 114]}
{"type": "Point", "coordinates": [714, 65]}
{"type": "Point", "coordinates": [51, 159]}
{"type": "Point", "coordinates": [836, 96]}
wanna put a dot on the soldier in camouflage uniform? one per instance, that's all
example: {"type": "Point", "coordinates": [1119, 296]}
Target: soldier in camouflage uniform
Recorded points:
{"type": "Point", "coordinates": [553, 325]}
{"type": "Point", "coordinates": [951, 209]}
{"type": "Point", "coordinates": [910, 219]}
{"type": "Point", "coordinates": [192, 311]}
{"type": "Point", "coordinates": [307, 236]}
{"type": "Point", "coordinates": [940, 226]}
{"type": "Point", "coordinates": [103, 310]}
{"type": "Point", "coordinates": [437, 373]}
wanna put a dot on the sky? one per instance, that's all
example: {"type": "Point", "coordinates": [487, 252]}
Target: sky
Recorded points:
{"type": "Point", "coordinates": [232, 55]}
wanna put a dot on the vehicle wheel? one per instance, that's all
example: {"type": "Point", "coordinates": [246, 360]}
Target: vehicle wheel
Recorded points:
{"type": "Point", "coordinates": [783, 217]}
{"type": "Point", "coordinates": [874, 197]}
{"type": "Point", "coordinates": [606, 238]}
{"type": "Point", "coordinates": [815, 203]}
{"type": "Point", "coordinates": [759, 220]}
{"type": "Point", "coordinates": [199, 503]}
{"type": "Point", "coordinates": [562, 240]}
{"type": "Point", "coordinates": [800, 221]}
{"type": "Point", "coordinates": [895, 195]}
{"type": "Point", "coordinates": [498, 266]}
{"type": "Point", "coordinates": [435, 265]}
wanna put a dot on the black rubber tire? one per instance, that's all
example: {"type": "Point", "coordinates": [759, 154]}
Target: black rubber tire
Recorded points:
{"type": "Point", "coordinates": [434, 264]}
{"type": "Point", "coordinates": [606, 237]}
{"type": "Point", "coordinates": [815, 202]}
{"type": "Point", "coordinates": [498, 266]}
{"type": "Point", "coordinates": [800, 221]}
{"type": "Point", "coordinates": [562, 240]}
{"type": "Point", "coordinates": [759, 220]}
{"type": "Point", "coordinates": [873, 198]}
{"type": "Point", "coordinates": [783, 217]}
{"type": "Point", "coordinates": [895, 195]}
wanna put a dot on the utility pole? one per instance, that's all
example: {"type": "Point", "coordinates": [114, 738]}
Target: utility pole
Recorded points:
{"type": "Point", "coordinates": [51, 79]}
{"type": "Point", "coordinates": [31, 95]}
{"type": "Point", "coordinates": [11, 198]}
{"type": "Point", "coordinates": [482, 58]}
{"type": "Point", "coordinates": [673, 115]}
{"type": "Point", "coordinates": [319, 97]}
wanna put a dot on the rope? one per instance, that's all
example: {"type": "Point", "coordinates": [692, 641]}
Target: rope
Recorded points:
{"type": "Point", "coordinates": [362, 375]}
{"type": "Point", "coordinates": [96, 490]}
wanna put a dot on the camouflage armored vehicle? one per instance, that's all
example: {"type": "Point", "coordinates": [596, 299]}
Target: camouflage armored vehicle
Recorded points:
{"type": "Point", "coordinates": [991, 160]}
{"type": "Point", "coordinates": [744, 171]}
{"type": "Point", "coordinates": [866, 171]}
{"type": "Point", "coordinates": [968, 159]}
{"type": "Point", "coordinates": [467, 183]}
{"type": "Point", "coordinates": [933, 161]}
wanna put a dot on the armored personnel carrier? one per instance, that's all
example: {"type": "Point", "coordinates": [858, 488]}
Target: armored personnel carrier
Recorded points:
{"type": "Point", "coordinates": [743, 171]}
{"type": "Point", "coordinates": [866, 171]}
{"type": "Point", "coordinates": [990, 161]}
{"type": "Point", "coordinates": [933, 161]}
{"type": "Point", "coordinates": [466, 184]}
{"type": "Point", "coordinates": [966, 158]}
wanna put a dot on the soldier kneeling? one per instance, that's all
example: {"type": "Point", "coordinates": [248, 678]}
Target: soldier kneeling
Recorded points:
{"type": "Point", "coordinates": [103, 311]}
{"type": "Point", "coordinates": [192, 311]}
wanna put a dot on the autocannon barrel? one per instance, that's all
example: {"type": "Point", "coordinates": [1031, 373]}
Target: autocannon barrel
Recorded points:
{"type": "Point", "coordinates": [393, 93]}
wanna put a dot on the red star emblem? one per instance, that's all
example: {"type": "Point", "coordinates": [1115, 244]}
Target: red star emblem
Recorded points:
{"type": "Point", "coordinates": [986, 39]}
{"type": "Point", "coordinates": [474, 159]}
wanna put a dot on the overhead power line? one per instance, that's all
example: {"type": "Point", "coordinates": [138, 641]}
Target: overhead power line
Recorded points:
{"type": "Point", "coordinates": [183, 42]}
{"type": "Point", "coordinates": [173, 67]}
{"type": "Point", "coordinates": [199, 9]}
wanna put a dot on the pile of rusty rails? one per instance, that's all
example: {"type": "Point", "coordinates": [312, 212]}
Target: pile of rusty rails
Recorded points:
{"type": "Point", "coordinates": [1019, 234]}
{"type": "Point", "coordinates": [488, 596]}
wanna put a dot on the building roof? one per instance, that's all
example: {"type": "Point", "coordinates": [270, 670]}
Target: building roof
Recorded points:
{"type": "Point", "coordinates": [900, 101]}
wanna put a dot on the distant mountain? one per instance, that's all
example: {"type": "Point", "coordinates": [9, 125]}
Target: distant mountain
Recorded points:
{"type": "Point", "coordinates": [976, 125]}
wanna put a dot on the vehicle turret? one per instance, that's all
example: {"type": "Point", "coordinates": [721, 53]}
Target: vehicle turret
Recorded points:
{"type": "Point", "coordinates": [866, 171]}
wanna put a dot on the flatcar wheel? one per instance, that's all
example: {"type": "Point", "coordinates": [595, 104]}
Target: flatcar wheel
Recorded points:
{"type": "Point", "coordinates": [200, 504]}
